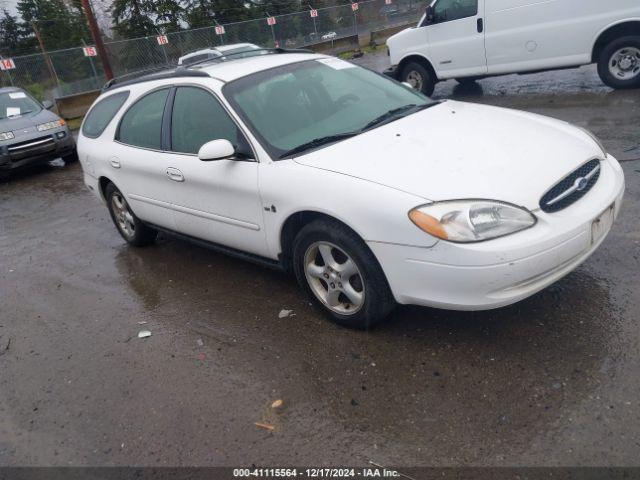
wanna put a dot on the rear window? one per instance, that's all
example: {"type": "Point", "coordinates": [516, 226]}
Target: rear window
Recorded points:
{"type": "Point", "coordinates": [102, 113]}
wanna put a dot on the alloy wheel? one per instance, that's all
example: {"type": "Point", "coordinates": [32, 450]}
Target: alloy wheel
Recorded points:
{"type": "Point", "coordinates": [334, 278]}
{"type": "Point", "coordinates": [123, 215]}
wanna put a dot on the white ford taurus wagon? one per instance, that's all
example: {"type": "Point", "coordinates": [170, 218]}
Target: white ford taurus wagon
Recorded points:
{"type": "Point", "coordinates": [370, 192]}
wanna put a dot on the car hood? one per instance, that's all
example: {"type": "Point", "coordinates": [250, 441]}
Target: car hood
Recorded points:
{"type": "Point", "coordinates": [26, 121]}
{"type": "Point", "coordinates": [458, 150]}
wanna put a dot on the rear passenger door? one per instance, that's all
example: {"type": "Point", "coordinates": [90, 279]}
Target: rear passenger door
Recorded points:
{"type": "Point", "coordinates": [216, 200]}
{"type": "Point", "coordinates": [138, 163]}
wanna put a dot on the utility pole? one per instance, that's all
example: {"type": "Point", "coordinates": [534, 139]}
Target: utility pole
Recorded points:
{"type": "Point", "coordinates": [47, 59]}
{"type": "Point", "coordinates": [97, 39]}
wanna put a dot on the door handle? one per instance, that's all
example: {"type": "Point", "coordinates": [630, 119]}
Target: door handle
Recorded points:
{"type": "Point", "coordinates": [175, 174]}
{"type": "Point", "coordinates": [115, 163]}
{"type": "Point", "coordinates": [480, 25]}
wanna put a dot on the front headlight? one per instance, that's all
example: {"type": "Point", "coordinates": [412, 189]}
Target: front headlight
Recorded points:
{"type": "Point", "coordinates": [595, 139]}
{"type": "Point", "coordinates": [468, 221]}
{"type": "Point", "coordinates": [7, 136]}
{"type": "Point", "coordinates": [49, 125]}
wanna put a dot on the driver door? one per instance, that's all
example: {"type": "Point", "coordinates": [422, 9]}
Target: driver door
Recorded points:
{"type": "Point", "coordinates": [456, 38]}
{"type": "Point", "coordinates": [218, 200]}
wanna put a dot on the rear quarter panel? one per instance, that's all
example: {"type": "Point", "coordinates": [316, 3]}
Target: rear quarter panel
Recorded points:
{"type": "Point", "coordinates": [526, 35]}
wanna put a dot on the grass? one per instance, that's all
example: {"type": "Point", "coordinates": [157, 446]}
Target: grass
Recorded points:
{"type": "Point", "coordinates": [366, 50]}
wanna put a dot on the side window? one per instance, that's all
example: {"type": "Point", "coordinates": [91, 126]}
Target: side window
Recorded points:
{"type": "Point", "coordinates": [141, 126]}
{"type": "Point", "coordinates": [199, 118]}
{"type": "Point", "coordinates": [102, 113]}
{"type": "Point", "coordinates": [447, 10]}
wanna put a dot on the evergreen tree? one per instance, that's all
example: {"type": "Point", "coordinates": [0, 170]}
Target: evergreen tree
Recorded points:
{"type": "Point", "coordinates": [59, 26]}
{"type": "Point", "coordinates": [133, 18]}
{"type": "Point", "coordinates": [11, 34]}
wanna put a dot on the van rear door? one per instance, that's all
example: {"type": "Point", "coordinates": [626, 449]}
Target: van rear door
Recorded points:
{"type": "Point", "coordinates": [456, 38]}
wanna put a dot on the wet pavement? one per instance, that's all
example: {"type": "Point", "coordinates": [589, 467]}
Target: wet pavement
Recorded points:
{"type": "Point", "coordinates": [550, 381]}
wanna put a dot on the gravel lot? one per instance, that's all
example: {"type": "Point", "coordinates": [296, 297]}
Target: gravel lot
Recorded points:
{"type": "Point", "coordinates": [550, 381]}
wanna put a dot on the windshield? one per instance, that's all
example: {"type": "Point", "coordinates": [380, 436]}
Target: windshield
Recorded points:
{"type": "Point", "coordinates": [17, 103]}
{"type": "Point", "coordinates": [294, 105]}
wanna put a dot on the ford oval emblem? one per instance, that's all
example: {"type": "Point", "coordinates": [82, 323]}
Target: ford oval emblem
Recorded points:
{"type": "Point", "coordinates": [581, 183]}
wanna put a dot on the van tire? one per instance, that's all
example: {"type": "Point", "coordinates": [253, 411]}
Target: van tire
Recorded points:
{"type": "Point", "coordinates": [607, 62]}
{"type": "Point", "coordinates": [378, 300]}
{"type": "Point", "coordinates": [419, 77]}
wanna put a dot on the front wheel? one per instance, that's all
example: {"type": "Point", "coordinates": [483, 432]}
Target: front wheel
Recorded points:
{"type": "Point", "coordinates": [419, 77]}
{"type": "Point", "coordinates": [129, 226]}
{"type": "Point", "coordinates": [339, 272]}
{"type": "Point", "coordinates": [619, 63]}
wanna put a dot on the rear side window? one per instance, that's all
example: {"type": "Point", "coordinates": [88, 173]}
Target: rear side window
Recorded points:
{"type": "Point", "coordinates": [141, 126]}
{"type": "Point", "coordinates": [102, 113]}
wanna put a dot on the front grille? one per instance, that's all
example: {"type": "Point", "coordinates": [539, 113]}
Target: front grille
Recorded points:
{"type": "Point", "coordinates": [33, 147]}
{"type": "Point", "coordinates": [572, 188]}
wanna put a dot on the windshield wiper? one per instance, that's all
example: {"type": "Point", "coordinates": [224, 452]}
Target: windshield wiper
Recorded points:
{"type": "Point", "coordinates": [318, 142]}
{"type": "Point", "coordinates": [396, 113]}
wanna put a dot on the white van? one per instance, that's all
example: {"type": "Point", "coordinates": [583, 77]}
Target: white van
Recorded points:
{"type": "Point", "coordinates": [472, 39]}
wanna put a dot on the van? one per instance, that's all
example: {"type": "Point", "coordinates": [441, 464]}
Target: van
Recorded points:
{"type": "Point", "coordinates": [472, 39]}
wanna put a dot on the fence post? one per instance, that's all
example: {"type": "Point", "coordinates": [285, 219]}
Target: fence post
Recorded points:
{"type": "Point", "coordinates": [93, 67]}
{"type": "Point", "coordinates": [315, 27]}
{"type": "Point", "coordinates": [273, 33]}
{"type": "Point", "coordinates": [355, 19]}
{"type": "Point", "coordinates": [8, 73]}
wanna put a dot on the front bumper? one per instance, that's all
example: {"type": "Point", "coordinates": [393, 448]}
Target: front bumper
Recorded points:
{"type": "Point", "coordinates": [501, 272]}
{"type": "Point", "coordinates": [21, 152]}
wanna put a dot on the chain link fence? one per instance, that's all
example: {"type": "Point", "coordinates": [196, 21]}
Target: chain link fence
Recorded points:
{"type": "Point", "coordinates": [59, 73]}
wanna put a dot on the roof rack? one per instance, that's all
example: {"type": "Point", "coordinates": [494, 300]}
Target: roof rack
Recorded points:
{"type": "Point", "coordinates": [152, 74]}
{"type": "Point", "coordinates": [163, 72]}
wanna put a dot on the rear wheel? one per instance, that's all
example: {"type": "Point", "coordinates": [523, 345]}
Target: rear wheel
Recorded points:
{"type": "Point", "coordinates": [619, 63]}
{"type": "Point", "coordinates": [130, 227]}
{"type": "Point", "coordinates": [419, 77]}
{"type": "Point", "coordinates": [339, 272]}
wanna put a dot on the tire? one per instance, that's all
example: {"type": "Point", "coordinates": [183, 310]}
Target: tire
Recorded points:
{"type": "Point", "coordinates": [323, 281]}
{"type": "Point", "coordinates": [128, 225]}
{"type": "Point", "coordinates": [612, 71]}
{"type": "Point", "coordinates": [71, 158]}
{"type": "Point", "coordinates": [419, 77]}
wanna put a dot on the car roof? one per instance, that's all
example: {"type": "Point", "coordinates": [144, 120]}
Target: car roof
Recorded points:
{"type": "Point", "coordinates": [219, 50]}
{"type": "Point", "coordinates": [225, 69]}
{"type": "Point", "coordinates": [200, 52]}
{"type": "Point", "coordinates": [10, 89]}
{"type": "Point", "coordinates": [233, 46]}
{"type": "Point", "coordinates": [241, 67]}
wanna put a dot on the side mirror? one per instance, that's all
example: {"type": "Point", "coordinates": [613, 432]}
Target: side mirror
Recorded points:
{"type": "Point", "coordinates": [47, 104]}
{"type": "Point", "coordinates": [216, 150]}
{"type": "Point", "coordinates": [430, 15]}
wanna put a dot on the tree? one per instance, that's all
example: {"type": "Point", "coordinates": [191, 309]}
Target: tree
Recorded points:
{"type": "Point", "coordinates": [169, 15]}
{"type": "Point", "coordinates": [133, 18]}
{"type": "Point", "coordinates": [59, 26]}
{"type": "Point", "coordinates": [11, 34]}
